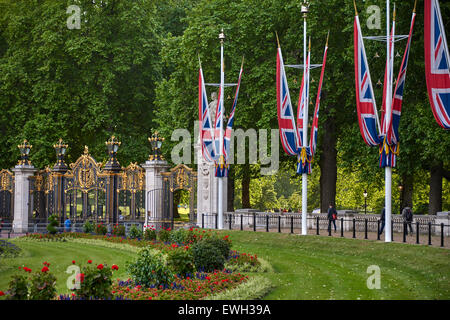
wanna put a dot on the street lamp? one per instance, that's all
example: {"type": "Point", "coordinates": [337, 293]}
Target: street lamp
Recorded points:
{"type": "Point", "coordinates": [156, 143]}
{"type": "Point", "coordinates": [400, 189]}
{"type": "Point", "coordinates": [365, 201]}
{"type": "Point", "coordinates": [24, 148]}
{"type": "Point", "coordinates": [113, 146]}
{"type": "Point", "coordinates": [60, 149]}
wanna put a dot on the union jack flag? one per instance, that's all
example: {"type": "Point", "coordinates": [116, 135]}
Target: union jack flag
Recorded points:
{"type": "Point", "coordinates": [365, 99]}
{"type": "Point", "coordinates": [437, 64]}
{"type": "Point", "coordinates": [206, 131]}
{"type": "Point", "coordinates": [286, 119]}
{"type": "Point", "coordinates": [303, 100]}
{"type": "Point", "coordinates": [227, 137]}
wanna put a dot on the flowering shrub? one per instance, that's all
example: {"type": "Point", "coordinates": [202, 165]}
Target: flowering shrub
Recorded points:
{"type": "Point", "coordinates": [18, 287]}
{"type": "Point", "coordinates": [243, 262]}
{"type": "Point", "coordinates": [222, 245]}
{"type": "Point", "coordinates": [43, 284]}
{"type": "Point", "coordinates": [118, 231]}
{"type": "Point", "coordinates": [193, 287]}
{"type": "Point", "coordinates": [101, 229]}
{"type": "Point", "coordinates": [8, 249]}
{"type": "Point", "coordinates": [95, 281]}
{"type": "Point", "coordinates": [181, 261]}
{"type": "Point", "coordinates": [47, 237]}
{"type": "Point", "coordinates": [150, 268]}
{"type": "Point", "coordinates": [178, 236]}
{"type": "Point", "coordinates": [164, 234]}
{"type": "Point", "coordinates": [150, 234]}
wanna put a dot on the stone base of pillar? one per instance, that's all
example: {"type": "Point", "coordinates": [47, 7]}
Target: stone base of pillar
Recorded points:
{"type": "Point", "coordinates": [21, 197]}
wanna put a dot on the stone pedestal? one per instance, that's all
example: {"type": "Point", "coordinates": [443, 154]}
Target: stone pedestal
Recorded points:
{"type": "Point", "coordinates": [22, 197]}
{"type": "Point", "coordinates": [153, 190]}
{"type": "Point", "coordinates": [207, 191]}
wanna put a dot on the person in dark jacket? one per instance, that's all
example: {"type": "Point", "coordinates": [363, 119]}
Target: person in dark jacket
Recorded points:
{"type": "Point", "coordinates": [332, 216]}
{"type": "Point", "coordinates": [382, 219]}
{"type": "Point", "coordinates": [407, 218]}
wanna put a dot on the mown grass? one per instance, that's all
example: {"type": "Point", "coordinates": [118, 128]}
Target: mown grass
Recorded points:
{"type": "Point", "coordinates": [315, 267]}
{"type": "Point", "coordinates": [60, 256]}
{"type": "Point", "coordinates": [310, 267]}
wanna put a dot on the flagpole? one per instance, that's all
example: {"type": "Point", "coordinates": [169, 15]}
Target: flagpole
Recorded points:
{"type": "Point", "coordinates": [220, 179]}
{"type": "Point", "coordinates": [388, 169]}
{"type": "Point", "coordinates": [305, 10]}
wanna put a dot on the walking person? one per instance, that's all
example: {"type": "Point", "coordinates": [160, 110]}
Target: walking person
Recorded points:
{"type": "Point", "coordinates": [407, 218]}
{"type": "Point", "coordinates": [332, 216]}
{"type": "Point", "coordinates": [382, 219]}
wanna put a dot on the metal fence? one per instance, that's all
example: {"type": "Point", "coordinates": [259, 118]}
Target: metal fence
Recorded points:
{"type": "Point", "coordinates": [363, 226]}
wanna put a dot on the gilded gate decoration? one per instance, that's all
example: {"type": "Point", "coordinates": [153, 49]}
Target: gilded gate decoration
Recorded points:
{"type": "Point", "coordinates": [85, 187]}
{"type": "Point", "coordinates": [42, 198]}
{"type": "Point", "coordinates": [180, 178]}
{"type": "Point", "coordinates": [131, 189]}
{"type": "Point", "coordinates": [6, 194]}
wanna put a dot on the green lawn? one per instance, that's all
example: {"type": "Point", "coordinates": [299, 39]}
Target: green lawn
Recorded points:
{"type": "Point", "coordinates": [60, 256]}
{"type": "Point", "coordinates": [316, 267]}
{"type": "Point", "coordinates": [311, 267]}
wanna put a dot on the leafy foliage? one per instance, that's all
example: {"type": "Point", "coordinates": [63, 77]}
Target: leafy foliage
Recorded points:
{"type": "Point", "coordinates": [181, 261]}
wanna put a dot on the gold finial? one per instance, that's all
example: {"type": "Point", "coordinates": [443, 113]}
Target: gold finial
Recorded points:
{"type": "Point", "coordinates": [242, 64]}
{"type": "Point", "coordinates": [328, 36]}
{"type": "Point", "coordinates": [199, 61]}
{"type": "Point", "coordinates": [86, 150]}
{"type": "Point", "coordinates": [278, 40]}
{"type": "Point", "coordinates": [309, 45]}
{"type": "Point", "coordinates": [356, 10]}
{"type": "Point", "coordinates": [395, 12]}
{"type": "Point", "coordinates": [415, 4]}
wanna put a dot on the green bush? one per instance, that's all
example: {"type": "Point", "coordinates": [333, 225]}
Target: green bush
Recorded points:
{"type": "Point", "coordinates": [178, 236]}
{"type": "Point", "coordinates": [52, 224]}
{"type": "Point", "coordinates": [207, 256]}
{"type": "Point", "coordinates": [118, 231]}
{"type": "Point", "coordinates": [150, 268]}
{"type": "Point", "coordinates": [135, 233]}
{"type": "Point", "coordinates": [164, 235]}
{"type": "Point", "coordinates": [181, 261]}
{"type": "Point", "coordinates": [18, 288]}
{"type": "Point", "coordinates": [222, 245]}
{"type": "Point", "coordinates": [101, 229]}
{"type": "Point", "coordinates": [95, 282]}
{"type": "Point", "coordinates": [88, 227]}
{"type": "Point", "coordinates": [43, 285]}
{"type": "Point", "coordinates": [150, 234]}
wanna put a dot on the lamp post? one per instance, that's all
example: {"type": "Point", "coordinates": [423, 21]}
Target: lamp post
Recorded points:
{"type": "Point", "coordinates": [156, 143]}
{"type": "Point", "coordinates": [365, 201]}
{"type": "Point", "coordinates": [24, 148]}
{"type": "Point", "coordinates": [60, 149]}
{"type": "Point", "coordinates": [400, 189]}
{"type": "Point", "coordinates": [113, 146]}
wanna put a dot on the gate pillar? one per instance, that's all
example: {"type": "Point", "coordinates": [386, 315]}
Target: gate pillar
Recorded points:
{"type": "Point", "coordinates": [22, 171]}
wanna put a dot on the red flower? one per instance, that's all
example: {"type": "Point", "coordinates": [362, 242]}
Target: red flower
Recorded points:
{"type": "Point", "coordinates": [100, 267]}
{"type": "Point", "coordinates": [73, 261]}
{"type": "Point", "coordinates": [79, 277]}
{"type": "Point", "coordinates": [89, 261]}
{"type": "Point", "coordinates": [114, 267]}
{"type": "Point", "coordinates": [2, 293]}
{"type": "Point", "coordinates": [44, 269]}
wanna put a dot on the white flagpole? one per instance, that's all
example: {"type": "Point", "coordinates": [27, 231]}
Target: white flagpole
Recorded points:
{"type": "Point", "coordinates": [388, 169]}
{"type": "Point", "coordinates": [220, 179]}
{"type": "Point", "coordinates": [305, 9]}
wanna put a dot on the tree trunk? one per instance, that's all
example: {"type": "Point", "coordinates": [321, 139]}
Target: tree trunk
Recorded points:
{"type": "Point", "coordinates": [406, 196]}
{"type": "Point", "coordinates": [436, 175]}
{"type": "Point", "coordinates": [230, 191]}
{"type": "Point", "coordinates": [328, 164]}
{"type": "Point", "coordinates": [246, 186]}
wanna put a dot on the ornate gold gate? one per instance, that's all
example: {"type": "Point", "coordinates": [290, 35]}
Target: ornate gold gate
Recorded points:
{"type": "Point", "coordinates": [6, 195]}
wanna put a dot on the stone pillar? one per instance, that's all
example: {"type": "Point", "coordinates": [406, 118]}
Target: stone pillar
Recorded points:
{"type": "Point", "coordinates": [153, 189]}
{"type": "Point", "coordinates": [443, 217]}
{"type": "Point", "coordinates": [207, 191]}
{"type": "Point", "coordinates": [22, 196]}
